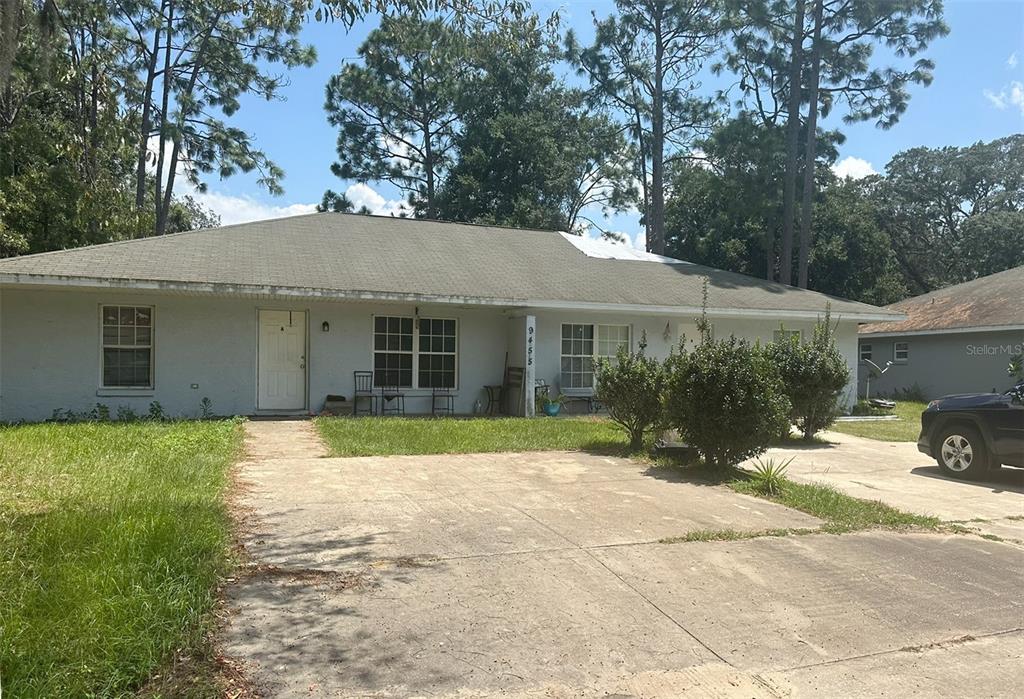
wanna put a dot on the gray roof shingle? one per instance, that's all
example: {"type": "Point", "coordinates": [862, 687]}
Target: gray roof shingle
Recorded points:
{"type": "Point", "coordinates": [346, 254]}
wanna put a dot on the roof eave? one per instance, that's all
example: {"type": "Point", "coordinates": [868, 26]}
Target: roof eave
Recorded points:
{"type": "Point", "coordinates": [226, 289]}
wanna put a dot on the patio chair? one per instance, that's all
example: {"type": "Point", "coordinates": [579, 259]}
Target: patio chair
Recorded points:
{"type": "Point", "coordinates": [447, 401]}
{"type": "Point", "coordinates": [392, 400]}
{"type": "Point", "coordinates": [363, 391]}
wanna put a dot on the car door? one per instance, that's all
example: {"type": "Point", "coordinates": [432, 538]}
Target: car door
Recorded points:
{"type": "Point", "coordinates": [1008, 429]}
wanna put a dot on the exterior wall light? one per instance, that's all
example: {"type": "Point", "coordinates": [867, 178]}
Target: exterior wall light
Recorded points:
{"type": "Point", "coordinates": [325, 326]}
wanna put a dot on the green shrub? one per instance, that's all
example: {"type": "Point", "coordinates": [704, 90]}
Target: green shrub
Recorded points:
{"type": "Point", "coordinates": [631, 388]}
{"type": "Point", "coordinates": [913, 394]}
{"type": "Point", "coordinates": [726, 399]}
{"type": "Point", "coordinates": [814, 375]}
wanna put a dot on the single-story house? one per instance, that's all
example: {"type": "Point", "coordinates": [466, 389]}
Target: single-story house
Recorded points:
{"type": "Point", "coordinates": [271, 317]}
{"type": "Point", "coordinates": [955, 340]}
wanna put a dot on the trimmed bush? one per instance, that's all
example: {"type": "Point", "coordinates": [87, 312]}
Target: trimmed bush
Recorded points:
{"type": "Point", "coordinates": [814, 375]}
{"type": "Point", "coordinates": [631, 387]}
{"type": "Point", "coordinates": [726, 399]}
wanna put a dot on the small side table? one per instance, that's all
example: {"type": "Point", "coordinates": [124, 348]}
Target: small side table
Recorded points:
{"type": "Point", "coordinates": [493, 399]}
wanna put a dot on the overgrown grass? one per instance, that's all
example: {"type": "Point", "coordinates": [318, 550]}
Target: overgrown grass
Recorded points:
{"type": "Point", "coordinates": [112, 540]}
{"type": "Point", "coordinates": [841, 512]}
{"type": "Point", "coordinates": [905, 429]}
{"type": "Point", "coordinates": [377, 436]}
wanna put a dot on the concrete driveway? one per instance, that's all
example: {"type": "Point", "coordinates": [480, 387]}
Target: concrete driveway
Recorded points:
{"type": "Point", "coordinates": [541, 575]}
{"type": "Point", "coordinates": [899, 475]}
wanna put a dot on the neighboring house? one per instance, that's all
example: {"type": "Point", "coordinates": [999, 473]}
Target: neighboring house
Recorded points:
{"type": "Point", "coordinates": [955, 340]}
{"type": "Point", "coordinates": [271, 317]}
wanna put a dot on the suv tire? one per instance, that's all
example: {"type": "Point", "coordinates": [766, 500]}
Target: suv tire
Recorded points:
{"type": "Point", "coordinates": [962, 452]}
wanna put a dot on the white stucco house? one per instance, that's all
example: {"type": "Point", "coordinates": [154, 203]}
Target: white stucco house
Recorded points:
{"type": "Point", "coordinates": [271, 317]}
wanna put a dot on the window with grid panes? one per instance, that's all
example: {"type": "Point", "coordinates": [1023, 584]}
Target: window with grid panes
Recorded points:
{"type": "Point", "coordinates": [582, 343]}
{"type": "Point", "coordinates": [392, 351]}
{"type": "Point", "coordinates": [127, 333]}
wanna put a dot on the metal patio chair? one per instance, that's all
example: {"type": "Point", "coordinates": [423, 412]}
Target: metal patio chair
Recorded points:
{"type": "Point", "coordinates": [363, 391]}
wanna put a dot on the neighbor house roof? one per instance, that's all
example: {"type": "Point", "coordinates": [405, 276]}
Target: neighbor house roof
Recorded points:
{"type": "Point", "coordinates": [987, 303]}
{"type": "Point", "coordinates": [347, 256]}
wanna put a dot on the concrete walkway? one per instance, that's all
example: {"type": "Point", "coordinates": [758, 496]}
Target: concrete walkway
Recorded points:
{"type": "Point", "coordinates": [541, 575]}
{"type": "Point", "coordinates": [899, 475]}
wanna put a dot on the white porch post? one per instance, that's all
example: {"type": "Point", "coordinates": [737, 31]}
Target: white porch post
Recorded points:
{"type": "Point", "coordinates": [530, 373]}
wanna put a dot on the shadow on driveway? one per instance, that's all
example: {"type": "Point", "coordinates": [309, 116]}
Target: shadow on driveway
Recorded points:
{"type": "Point", "coordinates": [1004, 480]}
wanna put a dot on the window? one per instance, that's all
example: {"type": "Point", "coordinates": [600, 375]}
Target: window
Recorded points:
{"type": "Point", "coordinates": [437, 353]}
{"type": "Point", "coordinates": [865, 352]}
{"type": "Point", "coordinates": [900, 351]}
{"type": "Point", "coordinates": [431, 365]}
{"type": "Point", "coordinates": [127, 346]}
{"type": "Point", "coordinates": [582, 343]}
{"type": "Point", "coordinates": [785, 335]}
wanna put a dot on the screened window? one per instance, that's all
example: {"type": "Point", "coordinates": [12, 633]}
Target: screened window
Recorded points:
{"type": "Point", "coordinates": [127, 346]}
{"type": "Point", "coordinates": [865, 352]}
{"type": "Point", "coordinates": [582, 343]}
{"type": "Point", "coordinates": [785, 335]}
{"type": "Point", "coordinates": [901, 351]}
{"type": "Point", "coordinates": [407, 354]}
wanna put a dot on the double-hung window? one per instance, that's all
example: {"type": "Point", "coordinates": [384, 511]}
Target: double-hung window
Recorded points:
{"type": "Point", "coordinates": [127, 333]}
{"type": "Point", "coordinates": [865, 352]}
{"type": "Point", "coordinates": [582, 344]}
{"type": "Point", "coordinates": [900, 351]}
{"type": "Point", "coordinates": [415, 353]}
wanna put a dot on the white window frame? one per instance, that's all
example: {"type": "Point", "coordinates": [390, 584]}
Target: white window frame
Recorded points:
{"type": "Point", "coordinates": [896, 351]}
{"type": "Point", "coordinates": [784, 334]}
{"type": "Point", "coordinates": [595, 353]}
{"type": "Point", "coordinates": [866, 352]}
{"type": "Point", "coordinates": [151, 385]}
{"type": "Point", "coordinates": [415, 352]}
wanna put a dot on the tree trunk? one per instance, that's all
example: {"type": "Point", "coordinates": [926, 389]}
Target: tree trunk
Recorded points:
{"type": "Point", "coordinates": [11, 13]}
{"type": "Point", "coordinates": [166, 80]}
{"type": "Point", "coordinates": [792, 147]}
{"type": "Point", "coordinates": [811, 147]}
{"type": "Point", "coordinates": [656, 222]}
{"type": "Point", "coordinates": [146, 126]}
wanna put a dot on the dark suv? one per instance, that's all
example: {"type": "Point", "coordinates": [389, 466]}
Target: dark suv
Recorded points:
{"type": "Point", "coordinates": [969, 434]}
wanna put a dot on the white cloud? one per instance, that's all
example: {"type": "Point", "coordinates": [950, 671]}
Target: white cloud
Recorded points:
{"type": "Point", "coordinates": [364, 195]}
{"type": "Point", "coordinates": [1011, 95]}
{"type": "Point", "coordinates": [1012, 61]}
{"type": "Point", "coordinates": [241, 209]}
{"type": "Point", "coordinates": [854, 168]}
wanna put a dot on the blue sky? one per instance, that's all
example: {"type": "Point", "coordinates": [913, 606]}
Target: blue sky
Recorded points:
{"type": "Point", "coordinates": [977, 95]}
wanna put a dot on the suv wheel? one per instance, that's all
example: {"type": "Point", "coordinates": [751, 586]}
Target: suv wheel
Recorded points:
{"type": "Point", "coordinates": [962, 452]}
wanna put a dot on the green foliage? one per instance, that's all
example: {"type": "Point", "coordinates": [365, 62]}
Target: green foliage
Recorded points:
{"type": "Point", "coordinates": [632, 388]}
{"type": "Point", "coordinates": [953, 214]}
{"type": "Point", "coordinates": [205, 408]}
{"type": "Point", "coordinates": [1016, 367]}
{"type": "Point", "coordinates": [813, 374]}
{"type": "Point", "coordinates": [905, 429]}
{"type": "Point", "coordinates": [156, 411]}
{"type": "Point", "coordinates": [769, 477]}
{"type": "Point", "coordinates": [726, 399]}
{"type": "Point", "coordinates": [114, 538]}
{"type": "Point", "coordinates": [126, 414]}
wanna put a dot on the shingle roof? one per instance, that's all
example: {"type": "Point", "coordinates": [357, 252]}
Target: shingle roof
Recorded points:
{"type": "Point", "coordinates": [344, 255]}
{"type": "Point", "coordinates": [992, 301]}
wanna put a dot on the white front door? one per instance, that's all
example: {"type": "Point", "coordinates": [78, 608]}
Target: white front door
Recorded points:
{"type": "Point", "coordinates": [282, 360]}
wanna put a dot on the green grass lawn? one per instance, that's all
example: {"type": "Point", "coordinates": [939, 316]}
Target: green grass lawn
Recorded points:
{"type": "Point", "coordinates": [377, 436]}
{"type": "Point", "coordinates": [905, 429]}
{"type": "Point", "coordinates": [112, 540]}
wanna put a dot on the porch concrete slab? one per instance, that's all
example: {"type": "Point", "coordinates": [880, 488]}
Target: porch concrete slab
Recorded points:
{"type": "Point", "coordinates": [966, 667]}
{"type": "Point", "coordinates": [771, 603]}
{"type": "Point", "coordinates": [470, 627]}
{"type": "Point", "coordinates": [899, 475]}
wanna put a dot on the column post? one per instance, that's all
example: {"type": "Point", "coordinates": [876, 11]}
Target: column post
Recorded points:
{"type": "Point", "coordinates": [530, 373]}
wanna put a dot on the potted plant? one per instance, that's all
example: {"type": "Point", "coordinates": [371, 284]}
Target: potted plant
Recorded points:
{"type": "Point", "coordinates": [551, 406]}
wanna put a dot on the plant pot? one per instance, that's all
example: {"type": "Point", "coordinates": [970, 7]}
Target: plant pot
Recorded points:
{"type": "Point", "coordinates": [552, 409]}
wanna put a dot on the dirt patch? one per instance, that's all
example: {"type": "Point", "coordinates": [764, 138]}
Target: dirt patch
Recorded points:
{"type": "Point", "coordinates": [334, 581]}
{"type": "Point", "coordinates": [282, 439]}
